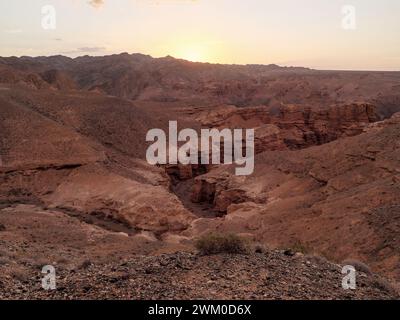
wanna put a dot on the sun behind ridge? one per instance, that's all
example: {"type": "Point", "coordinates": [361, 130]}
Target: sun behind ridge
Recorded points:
{"type": "Point", "coordinates": [194, 53]}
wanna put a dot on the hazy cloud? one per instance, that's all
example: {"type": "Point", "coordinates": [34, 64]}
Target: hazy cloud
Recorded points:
{"type": "Point", "coordinates": [91, 49]}
{"type": "Point", "coordinates": [96, 3]}
{"type": "Point", "coordinates": [85, 50]}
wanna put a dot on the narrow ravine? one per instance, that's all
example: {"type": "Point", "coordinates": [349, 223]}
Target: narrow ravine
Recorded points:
{"type": "Point", "coordinates": [183, 190]}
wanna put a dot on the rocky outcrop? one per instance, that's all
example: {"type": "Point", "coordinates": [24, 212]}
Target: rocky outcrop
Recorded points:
{"type": "Point", "coordinates": [31, 80]}
{"type": "Point", "coordinates": [269, 137]}
{"type": "Point", "coordinates": [76, 156]}
{"type": "Point", "coordinates": [221, 189]}
{"type": "Point", "coordinates": [179, 172]}
{"type": "Point", "coordinates": [204, 190]}
{"type": "Point", "coordinates": [58, 80]}
{"type": "Point", "coordinates": [306, 127]}
{"type": "Point", "coordinates": [293, 126]}
{"type": "Point", "coordinates": [141, 206]}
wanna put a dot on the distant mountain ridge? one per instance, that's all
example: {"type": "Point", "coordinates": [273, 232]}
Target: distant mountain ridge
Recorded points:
{"type": "Point", "coordinates": [142, 77]}
{"type": "Point", "coordinates": [132, 76]}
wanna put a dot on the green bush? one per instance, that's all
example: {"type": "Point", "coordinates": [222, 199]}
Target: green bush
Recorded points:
{"type": "Point", "coordinates": [221, 243]}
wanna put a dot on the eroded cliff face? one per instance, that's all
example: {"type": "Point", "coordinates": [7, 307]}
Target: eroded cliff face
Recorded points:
{"type": "Point", "coordinates": [293, 126]}
{"type": "Point", "coordinates": [288, 128]}
{"type": "Point", "coordinates": [305, 127]}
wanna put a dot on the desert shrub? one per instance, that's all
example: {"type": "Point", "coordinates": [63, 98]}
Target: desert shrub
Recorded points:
{"type": "Point", "coordinates": [85, 264]}
{"type": "Point", "coordinates": [358, 265]}
{"type": "Point", "coordinates": [316, 259]}
{"type": "Point", "coordinates": [385, 285]}
{"type": "Point", "coordinates": [62, 261]}
{"type": "Point", "coordinates": [39, 262]}
{"type": "Point", "coordinates": [221, 243]}
{"type": "Point", "coordinates": [20, 274]}
{"type": "Point", "coordinates": [298, 246]}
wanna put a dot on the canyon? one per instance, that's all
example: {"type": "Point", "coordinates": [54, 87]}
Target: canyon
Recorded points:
{"type": "Point", "coordinates": [75, 185]}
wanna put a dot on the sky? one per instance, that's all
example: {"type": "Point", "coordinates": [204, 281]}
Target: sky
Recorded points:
{"type": "Point", "coordinates": [321, 34]}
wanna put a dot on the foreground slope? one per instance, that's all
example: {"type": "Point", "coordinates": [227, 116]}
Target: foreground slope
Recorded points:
{"type": "Point", "coordinates": [93, 263]}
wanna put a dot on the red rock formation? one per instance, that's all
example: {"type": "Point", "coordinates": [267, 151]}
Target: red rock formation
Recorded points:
{"type": "Point", "coordinates": [73, 152]}
{"type": "Point", "coordinates": [58, 80]}
{"type": "Point", "coordinates": [294, 126]}
{"type": "Point", "coordinates": [328, 198]}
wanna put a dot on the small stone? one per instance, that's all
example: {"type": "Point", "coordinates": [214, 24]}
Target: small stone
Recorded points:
{"type": "Point", "coordinates": [289, 253]}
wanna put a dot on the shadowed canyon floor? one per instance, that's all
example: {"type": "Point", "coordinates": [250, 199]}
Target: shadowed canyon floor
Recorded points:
{"type": "Point", "coordinates": [76, 191]}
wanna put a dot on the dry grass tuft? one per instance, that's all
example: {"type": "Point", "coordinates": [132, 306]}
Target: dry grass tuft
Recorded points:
{"type": "Point", "coordinates": [221, 243]}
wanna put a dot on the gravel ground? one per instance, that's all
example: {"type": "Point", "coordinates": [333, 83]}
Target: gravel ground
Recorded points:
{"type": "Point", "coordinates": [267, 275]}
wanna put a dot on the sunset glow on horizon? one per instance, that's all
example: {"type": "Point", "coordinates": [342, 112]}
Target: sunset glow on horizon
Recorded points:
{"type": "Point", "coordinates": [307, 33]}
